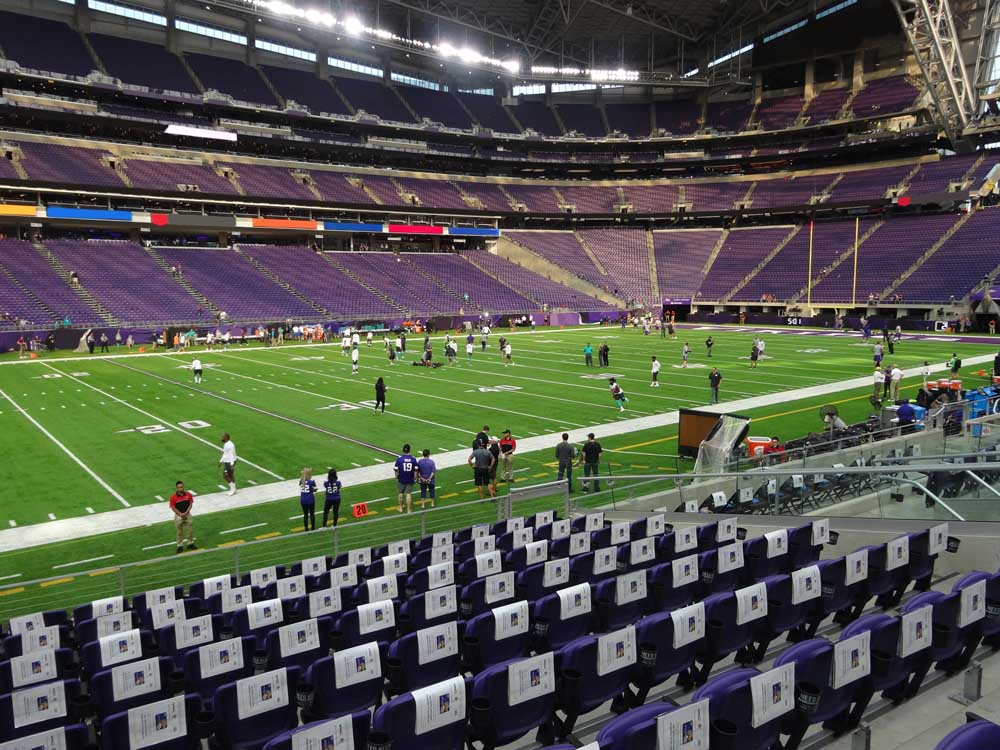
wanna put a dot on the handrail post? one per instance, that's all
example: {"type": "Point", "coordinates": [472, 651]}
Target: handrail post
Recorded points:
{"type": "Point", "coordinates": [336, 541]}
{"type": "Point", "coordinates": [236, 560]}
{"type": "Point", "coordinates": [121, 581]}
{"type": "Point", "coordinates": [423, 523]}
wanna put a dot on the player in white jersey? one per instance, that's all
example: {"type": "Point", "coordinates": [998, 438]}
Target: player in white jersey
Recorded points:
{"type": "Point", "coordinates": [196, 369]}
{"type": "Point", "coordinates": [655, 383]}
{"type": "Point", "coordinates": [354, 360]}
{"type": "Point", "coordinates": [228, 463]}
{"type": "Point", "coordinates": [508, 355]}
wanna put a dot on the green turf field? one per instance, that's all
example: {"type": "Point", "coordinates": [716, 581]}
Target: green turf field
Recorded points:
{"type": "Point", "coordinates": [86, 435]}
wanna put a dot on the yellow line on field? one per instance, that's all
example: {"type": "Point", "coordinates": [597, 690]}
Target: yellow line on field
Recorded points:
{"type": "Point", "coordinates": [450, 494]}
{"type": "Point", "coordinates": [103, 572]}
{"type": "Point", "coordinates": [469, 492]}
{"type": "Point", "coordinates": [269, 535]}
{"type": "Point", "coordinates": [639, 466]}
{"type": "Point", "coordinates": [56, 582]}
{"type": "Point", "coordinates": [11, 592]}
{"type": "Point", "coordinates": [540, 474]}
{"type": "Point", "coordinates": [232, 543]}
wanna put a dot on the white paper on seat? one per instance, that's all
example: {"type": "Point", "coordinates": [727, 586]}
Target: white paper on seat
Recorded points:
{"type": "Point", "coordinates": [820, 532]}
{"type": "Point", "coordinates": [684, 570]}
{"type": "Point", "coordinates": [772, 694]}
{"type": "Point", "coordinates": [27, 623]}
{"type": "Point", "coordinates": [730, 557]}
{"type": "Point", "coordinates": [439, 705]}
{"type": "Point", "coordinates": [510, 620]}
{"type": "Point", "coordinates": [544, 517]}
{"type": "Point", "coordinates": [685, 539]}
{"type": "Point", "coordinates": [616, 651]}
{"type": "Point", "coordinates": [536, 552]}
{"type": "Point", "coordinates": [376, 616]}
{"type": "Point", "coordinates": [160, 596]}
{"type": "Point", "coordinates": [314, 566]}
{"type": "Point", "coordinates": [851, 660]}
{"type": "Point", "coordinates": [488, 563]}
{"type": "Point", "coordinates": [110, 606]}
{"type": "Point", "coordinates": [485, 544]}
{"type": "Point", "coordinates": [513, 524]}
{"type": "Point", "coordinates": [556, 573]}
{"type": "Point", "coordinates": [40, 638]}
{"type": "Point", "coordinates": [579, 543]}
{"type": "Point", "coordinates": [382, 588]}
{"type": "Point", "coordinates": [326, 602]}
{"type": "Point", "coordinates": [915, 631]}
{"type": "Point", "coordinates": [135, 678]}
{"type": "Point", "coordinates": [777, 543]}
{"type": "Point", "coordinates": [442, 553]}
{"type": "Point", "coordinates": [746, 494]}
{"type": "Point", "coordinates": [264, 614]}
{"type": "Point", "coordinates": [402, 547]}
{"type": "Point", "coordinates": [605, 560]}
{"type": "Point", "coordinates": [641, 551]}
{"type": "Point", "coordinates": [441, 538]}
{"type": "Point", "coordinates": [220, 658]}
{"type": "Point", "coordinates": [856, 567]}
{"type": "Point", "coordinates": [298, 637]}
{"type": "Point", "coordinates": [193, 632]}
{"type": "Point", "coordinates": [334, 734]}
{"type": "Point", "coordinates": [560, 529]}
{"type": "Point", "coordinates": [522, 536]}
{"type": "Point", "coordinates": [574, 601]}
{"type": "Point", "coordinates": [621, 532]}
{"type": "Point", "coordinates": [395, 563]}
{"type": "Point", "coordinates": [261, 693]}
{"type": "Point", "coordinates": [937, 541]}
{"type": "Point", "coordinates": [442, 574]}
{"type": "Point", "coordinates": [120, 647]}
{"type": "Point", "coordinates": [685, 728]}
{"type": "Point", "coordinates": [345, 575]}
{"type": "Point", "coordinates": [972, 604]}
{"type": "Point", "coordinates": [594, 521]}
{"type": "Point", "coordinates": [440, 602]}
{"type": "Point", "coordinates": [355, 665]}
{"type": "Point", "coordinates": [528, 679]}
{"type": "Point", "coordinates": [53, 739]}
{"type": "Point", "coordinates": [806, 584]}
{"type": "Point", "coordinates": [112, 624]}
{"type": "Point", "coordinates": [236, 599]}
{"type": "Point", "coordinates": [751, 603]}
{"type": "Point", "coordinates": [726, 530]}
{"type": "Point", "coordinates": [167, 614]}
{"type": "Point", "coordinates": [719, 499]}
{"type": "Point", "coordinates": [156, 723]}
{"type": "Point", "coordinates": [359, 557]}
{"type": "Point", "coordinates": [33, 668]}
{"type": "Point", "coordinates": [480, 530]}
{"type": "Point", "coordinates": [437, 642]}
{"type": "Point", "coordinates": [897, 553]}
{"type": "Point", "coordinates": [689, 624]}
{"type": "Point", "coordinates": [262, 577]}
{"type": "Point", "coordinates": [690, 506]}
{"type": "Point", "coordinates": [630, 587]}
{"type": "Point", "coordinates": [655, 525]}
{"type": "Point", "coordinates": [499, 587]}
{"type": "Point", "coordinates": [36, 704]}
{"type": "Point", "coordinates": [292, 587]}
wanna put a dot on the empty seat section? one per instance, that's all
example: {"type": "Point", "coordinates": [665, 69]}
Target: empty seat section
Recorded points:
{"type": "Point", "coordinates": [50, 162]}
{"type": "Point", "coordinates": [826, 105]}
{"type": "Point", "coordinates": [537, 116]}
{"type": "Point", "coordinates": [41, 44]}
{"type": "Point", "coordinates": [728, 116]}
{"type": "Point", "coordinates": [743, 249]}
{"type": "Point", "coordinates": [631, 119]}
{"type": "Point", "coordinates": [176, 176]}
{"type": "Point", "coordinates": [437, 106]}
{"type": "Point", "coordinates": [885, 96]}
{"type": "Point", "coordinates": [304, 88]}
{"type": "Point", "coordinates": [679, 117]}
{"type": "Point", "coordinates": [374, 98]}
{"type": "Point", "coordinates": [624, 255]}
{"type": "Point", "coordinates": [232, 77]}
{"type": "Point", "coordinates": [680, 258]}
{"type": "Point", "coordinates": [270, 182]}
{"type": "Point", "coordinates": [26, 265]}
{"type": "Point", "coordinates": [159, 69]}
{"type": "Point", "coordinates": [585, 119]}
{"type": "Point", "coordinates": [489, 112]}
{"type": "Point", "coordinates": [563, 249]}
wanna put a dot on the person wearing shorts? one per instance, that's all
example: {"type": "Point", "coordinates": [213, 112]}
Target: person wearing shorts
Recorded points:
{"type": "Point", "coordinates": [427, 470]}
{"type": "Point", "coordinates": [405, 470]}
{"type": "Point", "coordinates": [481, 461]}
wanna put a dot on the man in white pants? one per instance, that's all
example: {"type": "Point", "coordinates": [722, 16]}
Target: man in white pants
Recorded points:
{"type": "Point", "coordinates": [196, 369]}
{"type": "Point", "coordinates": [228, 463]}
{"type": "Point", "coordinates": [656, 374]}
{"type": "Point", "coordinates": [354, 360]}
{"type": "Point", "coordinates": [895, 375]}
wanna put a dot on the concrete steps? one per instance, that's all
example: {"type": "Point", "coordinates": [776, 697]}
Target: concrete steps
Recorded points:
{"type": "Point", "coordinates": [199, 297]}
{"type": "Point", "coordinates": [81, 291]}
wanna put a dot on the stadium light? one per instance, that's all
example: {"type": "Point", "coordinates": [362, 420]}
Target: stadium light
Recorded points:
{"type": "Point", "coordinates": [353, 26]}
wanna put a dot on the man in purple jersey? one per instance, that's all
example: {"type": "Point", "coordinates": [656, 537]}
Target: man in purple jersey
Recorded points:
{"type": "Point", "coordinates": [405, 469]}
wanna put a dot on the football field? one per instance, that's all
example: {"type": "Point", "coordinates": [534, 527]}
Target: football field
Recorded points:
{"type": "Point", "coordinates": [85, 435]}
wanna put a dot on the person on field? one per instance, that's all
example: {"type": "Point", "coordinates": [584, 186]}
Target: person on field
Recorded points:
{"type": "Point", "coordinates": [655, 372]}
{"type": "Point", "coordinates": [331, 487]}
{"type": "Point", "coordinates": [714, 381]}
{"type": "Point", "coordinates": [181, 504]}
{"type": "Point", "coordinates": [196, 370]}
{"type": "Point", "coordinates": [307, 498]}
{"type": "Point", "coordinates": [588, 355]}
{"type": "Point", "coordinates": [618, 394]}
{"type": "Point", "coordinates": [507, 447]}
{"type": "Point", "coordinates": [427, 471]}
{"type": "Point", "coordinates": [380, 395]}
{"type": "Point", "coordinates": [355, 354]}
{"type": "Point", "coordinates": [709, 343]}
{"type": "Point", "coordinates": [481, 461]}
{"type": "Point", "coordinates": [228, 463]}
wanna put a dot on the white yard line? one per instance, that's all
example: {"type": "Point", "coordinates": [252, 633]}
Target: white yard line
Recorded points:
{"type": "Point", "coordinates": [158, 546]}
{"type": "Point", "coordinates": [100, 523]}
{"type": "Point", "coordinates": [111, 491]}
{"type": "Point", "coordinates": [82, 562]}
{"type": "Point", "coordinates": [244, 528]}
{"type": "Point", "coordinates": [7, 578]}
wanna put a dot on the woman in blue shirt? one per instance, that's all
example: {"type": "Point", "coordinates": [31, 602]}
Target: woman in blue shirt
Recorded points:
{"type": "Point", "coordinates": [307, 497]}
{"type": "Point", "coordinates": [332, 486]}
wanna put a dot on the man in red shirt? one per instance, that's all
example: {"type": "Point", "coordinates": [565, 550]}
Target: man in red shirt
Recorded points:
{"type": "Point", "coordinates": [507, 447]}
{"type": "Point", "coordinates": [181, 503]}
